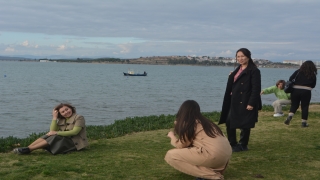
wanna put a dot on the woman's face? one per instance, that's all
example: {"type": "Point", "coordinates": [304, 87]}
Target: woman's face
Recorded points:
{"type": "Point", "coordinates": [65, 111]}
{"type": "Point", "coordinates": [242, 59]}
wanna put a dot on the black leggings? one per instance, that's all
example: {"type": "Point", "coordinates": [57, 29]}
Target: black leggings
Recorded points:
{"type": "Point", "coordinates": [303, 96]}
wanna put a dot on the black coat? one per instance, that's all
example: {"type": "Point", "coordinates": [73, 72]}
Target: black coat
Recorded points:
{"type": "Point", "coordinates": [302, 79]}
{"type": "Point", "coordinates": [245, 91]}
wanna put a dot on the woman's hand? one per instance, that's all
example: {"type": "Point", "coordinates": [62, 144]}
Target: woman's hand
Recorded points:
{"type": "Point", "coordinates": [51, 133]}
{"type": "Point", "coordinates": [54, 114]}
{"type": "Point", "coordinates": [249, 107]}
{"type": "Point", "coordinates": [171, 134]}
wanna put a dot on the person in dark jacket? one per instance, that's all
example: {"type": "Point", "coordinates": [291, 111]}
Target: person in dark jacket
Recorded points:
{"type": "Point", "coordinates": [241, 100]}
{"type": "Point", "coordinates": [305, 81]}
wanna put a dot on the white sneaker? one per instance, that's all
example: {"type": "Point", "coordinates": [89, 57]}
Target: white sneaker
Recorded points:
{"type": "Point", "coordinates": [278, 115]}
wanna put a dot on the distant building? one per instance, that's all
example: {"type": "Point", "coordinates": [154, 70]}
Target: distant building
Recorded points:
{"type": "Point", "coordinates": [43, 60]}
{"type": "Point", "coordinates": [298, 62]}
{"type": "Point", "coordinates": [228, 60]}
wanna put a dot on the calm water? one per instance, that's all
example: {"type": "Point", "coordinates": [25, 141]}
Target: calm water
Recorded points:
{"type": "Point", "coordinates": [100, 92]}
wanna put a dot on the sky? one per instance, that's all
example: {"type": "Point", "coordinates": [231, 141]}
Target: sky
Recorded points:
{"type": "Point", "coordinates": [275, 30]}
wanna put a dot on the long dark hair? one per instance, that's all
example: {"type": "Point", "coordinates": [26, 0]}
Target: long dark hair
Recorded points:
{"type": "Point", "coordinates": [308, 69]}
{"type": "Point", "coordinates": [186, 122]}
{"type": "Point", "coordinates": [64, 104]}
{"type": "Point", "coordinates": [247, 53]}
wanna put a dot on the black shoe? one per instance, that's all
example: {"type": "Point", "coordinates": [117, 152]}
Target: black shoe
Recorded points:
{"type": "Point", "coordinates": [236, 148]}
{"type": "Point", "coordinates": [243, 147]}
{"type": "Point", "coordinates": [200, 178]}
{"type": "Point", "coordinates": [24, 150]}
{"type": "Point", "coordinates": [304, 124]}
{"type": "Point", "coordinates": [287, 121]}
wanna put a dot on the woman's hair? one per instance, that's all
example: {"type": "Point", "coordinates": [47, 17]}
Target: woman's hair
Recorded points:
{"type": "Point", "coordinates": [186, 122]}
{"type": "Point", "coordinates": [58, 107]}
{"type": "Point", "coordinates": [308, 69]}
{"type": "Point", "coordinates": [280, 81]}
{"type": "Point", "coordinates": [247, 53]}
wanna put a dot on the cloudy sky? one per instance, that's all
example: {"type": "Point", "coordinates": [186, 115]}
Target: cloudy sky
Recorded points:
{"type": "Point", "coordinates": [276, 30]}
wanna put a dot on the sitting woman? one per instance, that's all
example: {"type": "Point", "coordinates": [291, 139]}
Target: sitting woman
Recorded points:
{"type": "Point", "coordinates": [67, 133]}
{"type": "Point", "coordinates": [201, 148]}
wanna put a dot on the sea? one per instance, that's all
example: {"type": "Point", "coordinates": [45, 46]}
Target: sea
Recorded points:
{"type": "Point", "coordinates": [102, 94]}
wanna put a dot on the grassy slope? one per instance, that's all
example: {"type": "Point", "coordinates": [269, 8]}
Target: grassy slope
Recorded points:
{"type": "Point", "coordinates": [276, 152]}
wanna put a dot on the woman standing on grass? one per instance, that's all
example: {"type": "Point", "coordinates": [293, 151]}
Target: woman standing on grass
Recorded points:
{"type": "Point", "coordinates": [241, 100]}
{"type": "Point", "coordinates": [201, 148]}
{"type": "Point", "coordinates": [305, 79]}
{"type": "Point", "coordinates": [67, 133]}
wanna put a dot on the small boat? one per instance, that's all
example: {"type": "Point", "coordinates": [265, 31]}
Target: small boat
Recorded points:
{"type": "Point", "coordinates": [131, 73]}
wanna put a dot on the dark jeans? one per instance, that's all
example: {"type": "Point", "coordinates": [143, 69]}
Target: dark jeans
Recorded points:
{"type": "Point", "coordinates": [303, 96]}
{"type": "Point", "coordinates": [232, 134]}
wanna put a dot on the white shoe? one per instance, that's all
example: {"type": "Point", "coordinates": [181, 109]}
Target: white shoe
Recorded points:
{"type": "Point", "coordinates": [278, 115]}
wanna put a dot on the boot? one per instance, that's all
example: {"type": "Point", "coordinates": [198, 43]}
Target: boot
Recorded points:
{"type": "Point", "coordinates": [304, 124]}
{"type": "Point", "coordinates": [287, 121]}
{"type": "Point", "coordinates": [24, 150]}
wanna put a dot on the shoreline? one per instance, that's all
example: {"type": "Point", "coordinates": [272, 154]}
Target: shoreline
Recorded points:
{"type": "Point", "coordinates": [314, 107]}
{"type": "Point", "coordinates": [272, 65]}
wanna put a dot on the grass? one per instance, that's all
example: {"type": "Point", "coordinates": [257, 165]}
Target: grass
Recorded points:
{"type": "Point", "coordinates": [134, 148]}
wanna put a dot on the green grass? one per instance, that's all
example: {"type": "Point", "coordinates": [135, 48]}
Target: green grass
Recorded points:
{"type": "Point", "coordinates": [134, 148]}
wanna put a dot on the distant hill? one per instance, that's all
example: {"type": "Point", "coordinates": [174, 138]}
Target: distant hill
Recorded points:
{"type": "Point", "coordinates": [31, 57]}
{"type": "Point", "coordinates": [51, 57]}
{"type": "Point", "coordinates": [12, 58]}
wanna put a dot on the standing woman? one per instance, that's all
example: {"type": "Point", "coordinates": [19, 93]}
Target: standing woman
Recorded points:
{"type": "Point", "coordinates": [241, 100]}
{"type": "Point", "coordinates": [201, 148]}
{"type": "Point", "coordinates": [67, 133]}
{"type": "Point", "coordinates": [305, 80]}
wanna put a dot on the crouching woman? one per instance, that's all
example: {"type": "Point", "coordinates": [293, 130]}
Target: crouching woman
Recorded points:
{"type": "Point", "coordinates": [67, 133]}
{"type": "Point", "coordinates": [201, 149]}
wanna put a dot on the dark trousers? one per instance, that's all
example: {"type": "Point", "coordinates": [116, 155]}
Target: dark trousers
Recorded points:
{"type": "Point", "coordinates": [232, 134]}
{"type": "Point", "coordinates": [303, 96]}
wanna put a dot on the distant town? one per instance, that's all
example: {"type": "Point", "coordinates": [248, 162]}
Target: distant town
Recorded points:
{"type": "Point", "coordinates": [172, 60]}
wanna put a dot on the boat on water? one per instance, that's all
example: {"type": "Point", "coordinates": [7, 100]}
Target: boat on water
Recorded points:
{"type": "Point", "coordinates": [131, 73]}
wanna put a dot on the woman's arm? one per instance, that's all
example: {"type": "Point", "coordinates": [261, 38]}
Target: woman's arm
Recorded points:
{"type": "Point", "coordinates": [230, 82]}
{"type": "Point", "coordinates": [177, 143]}
{"type": "Point", "coordinates": [293, 75]}
{"type": "Point", "coordinates": [255, 88]}
{"type": "Point", "coordinates": [54, 126]}
{"type": "Point", "coordinates": [72, 132]}
{"type": "Point", "coordinates": [78, 125]}
{"type": "Point", "coordinates": [314, 82]}
{"type": "Point", "coordinates": [269, 90]}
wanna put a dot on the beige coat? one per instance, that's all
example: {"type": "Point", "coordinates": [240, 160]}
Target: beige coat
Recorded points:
{"type": "Point", "coordinates": [80, 140]}
{"type": "Point", "coordinates": [204, 157]}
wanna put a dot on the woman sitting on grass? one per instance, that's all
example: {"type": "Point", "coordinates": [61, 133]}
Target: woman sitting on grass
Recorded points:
{"type": "Point", "coordinates": [67, 133]}
{"type": "Point", "coordinates": [201, 148]}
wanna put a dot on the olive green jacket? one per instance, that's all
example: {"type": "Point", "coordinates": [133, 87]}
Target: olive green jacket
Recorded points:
{"type": "Point", "coordinates": [80, 140]}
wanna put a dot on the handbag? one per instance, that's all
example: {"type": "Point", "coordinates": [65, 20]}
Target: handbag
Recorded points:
{"type": "Point", "coordinates": [288, 87]}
